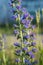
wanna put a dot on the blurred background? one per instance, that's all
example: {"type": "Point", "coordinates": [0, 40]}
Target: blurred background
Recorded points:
{"type": "Point", "coordinates": [35, 8]}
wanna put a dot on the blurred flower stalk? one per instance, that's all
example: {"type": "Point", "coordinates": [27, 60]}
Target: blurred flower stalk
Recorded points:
{"type": "Point", "coordinates": [38, 18]}
{"type": "Point", "coordinates": [2, 48]}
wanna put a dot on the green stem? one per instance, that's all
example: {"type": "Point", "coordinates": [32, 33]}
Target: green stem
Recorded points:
{"type": "Point", "coordinates": [21, 35]}
{"type": "Point", "coordinates": [38, 28]}
{"type": "Point", "coordinates": [3, 50]}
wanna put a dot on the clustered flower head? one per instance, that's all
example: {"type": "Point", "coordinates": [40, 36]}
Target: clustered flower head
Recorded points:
{"type": "Point", "coordinates": [23, 30]}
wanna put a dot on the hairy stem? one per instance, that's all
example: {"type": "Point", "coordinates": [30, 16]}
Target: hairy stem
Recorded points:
{"type": "Point", "coordinates": [21, 35]}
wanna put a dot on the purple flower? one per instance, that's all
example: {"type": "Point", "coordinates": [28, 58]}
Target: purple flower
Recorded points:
{"type": "Point", "coordinates": [23, 31]}
{"type": "Point", "coordinates": [32, 34]}
{"type": "Point", "coordinates": [28, 22]}
{"type": "Point", "coordinates": [23, 21]}
{"type": "Point", "coordinates": [18, 7]}
{"type": "Point", "coordinates": [17, 60]}
{"type": "Point", "coordinates": [17, 44]}
{"type": "Point", "coordinates": [25, 15]}
{"type": "Point", "coordinates": [33, 44]}
{"type": "Point", "coordinates": [25, 49]}
{"type": "Point", "coordinates": [26, 25]}
{"type": "Point", "coordinates": [34, 50]}
{"type": "Point", "coordinates": [25, 42]}
{"type": "Point", "coordinates": [23, 10]}
{"type": "Point", "coordinates": [16, 32]}
{"type": "Point", "coordinates": [15, 25]}
{"type": "Point", "coordinates": [18, 52]}
{"type": "Point", "coordinates": [26, 36]}
{"type": "Point", "coordinates": [26, 61]}
{"type": "Point", "coordinates": [33, 26]}
{"type": "Point", "coordinates": [32, 56]}
{"type": "Point", "coordinates": [14, 16]}
{"type": "Point", "coordinates": [30, 53]}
